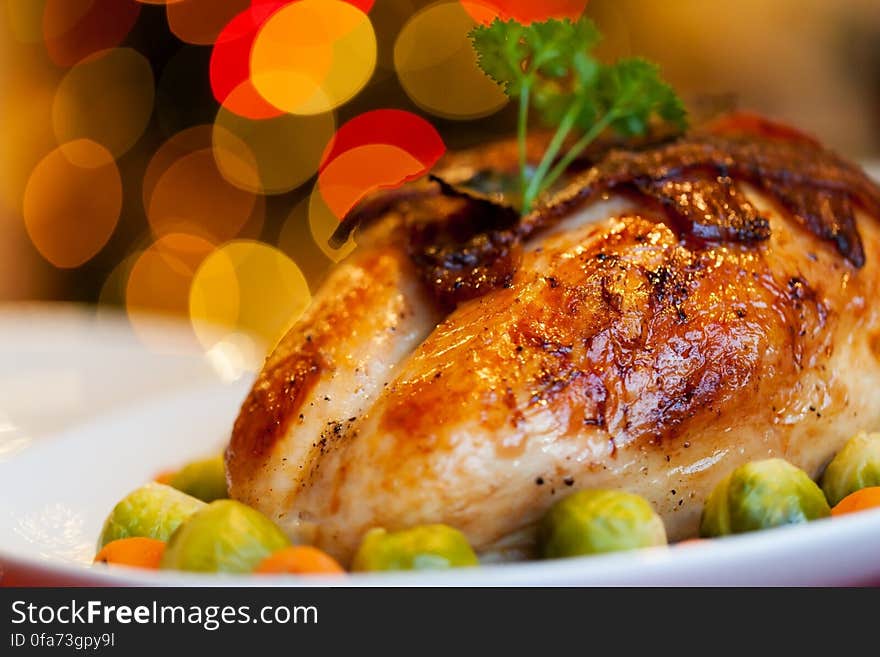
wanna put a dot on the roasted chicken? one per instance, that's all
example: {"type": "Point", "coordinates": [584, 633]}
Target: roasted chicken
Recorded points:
{"type": "Point", "coordinates": [671, 312]}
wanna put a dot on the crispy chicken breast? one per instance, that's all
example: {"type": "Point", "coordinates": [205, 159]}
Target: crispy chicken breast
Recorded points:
{"type": "Point", "coordinates": [671, 313]}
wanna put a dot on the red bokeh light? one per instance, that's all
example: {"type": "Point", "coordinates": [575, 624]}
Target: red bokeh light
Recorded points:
{"type": "Point", "coordinates": [393, 127]}
{"type": "Point", "coordinates": [230, 63]}
{"type": "Point", "coordinates": [230, 59]}
{"type": "Point", "coordinates": [363, 5]}
{"type": "Point", "coordinates": [381, 149]}
{"type": "Point", "coordinates": [524, 11]}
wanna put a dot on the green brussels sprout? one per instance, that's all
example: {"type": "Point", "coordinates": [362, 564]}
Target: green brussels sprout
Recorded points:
{"type": "Point", "coordinates": [153, 511]}
{"type": "Point", "coordinates": [856, 466]}
{"type": "Point", "coordinates": [428, 547]}
{"type": "Point", "coordinates": [204, 479]}
{"type": "Point", "coordinates": [225, 536]}
{"type": "Point", "coordinates": [596, 521]}
{"type": "Point", "coordinates": [760, 495]}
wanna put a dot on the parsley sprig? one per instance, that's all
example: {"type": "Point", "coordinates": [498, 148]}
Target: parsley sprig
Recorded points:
{"type": "Point", "coordinates": [548, 66]}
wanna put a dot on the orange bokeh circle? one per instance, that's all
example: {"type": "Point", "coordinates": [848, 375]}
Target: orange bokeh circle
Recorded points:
{"type": "Point", "coordinates": [311, 56]}
{"type": "Point", "coordinates": [72, 202]}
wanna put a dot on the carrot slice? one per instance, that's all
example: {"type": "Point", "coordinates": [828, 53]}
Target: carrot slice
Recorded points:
{"type": "Point", "coordinates": [301, 560]}
{"type": "Point", "coordinates": [138, 552]}
{"type": "Point", "coordinates": [861, 500]}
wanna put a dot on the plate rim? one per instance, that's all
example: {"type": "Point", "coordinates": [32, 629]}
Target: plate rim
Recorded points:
{"type": "Point", "coordinates": [661, 564]}
{"type": "Point", "coordinates": [668, 565]}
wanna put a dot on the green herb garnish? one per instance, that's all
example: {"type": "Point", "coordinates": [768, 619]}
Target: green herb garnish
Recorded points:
{"type": "Point", "coordinates": [548, 66]}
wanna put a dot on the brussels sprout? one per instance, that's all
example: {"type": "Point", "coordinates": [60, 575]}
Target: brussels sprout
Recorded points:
{"type": "Point", "coordinates": [760, 495]}
{"type": "Point", "coordinates": [596, 521]}
{"type": "Point", "coordinates": [204, 479]}
{"type": "Point", "coordinates": [152, 511]}
{"type": "Point", "coordinates": [428, 547]}
{"type": "Point", "coordinates": [856, 466]}
{"type": "Point", "coordinates": [225, 536]}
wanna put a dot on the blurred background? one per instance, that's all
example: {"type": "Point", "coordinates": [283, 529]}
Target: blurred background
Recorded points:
{"type": "Point", "coordinates": [163, 156]}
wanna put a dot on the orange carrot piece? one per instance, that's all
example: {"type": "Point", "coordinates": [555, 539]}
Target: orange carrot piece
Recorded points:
{"type": "Point", "coordinates": [861, 500]}
{"type": "Point", "coordinates": [138, 552]}
{"type": "Point", "coordinates": [301, 560]}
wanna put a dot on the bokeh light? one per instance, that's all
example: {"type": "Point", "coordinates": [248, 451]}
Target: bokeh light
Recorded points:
{"type": "Point", "coordinates": [363, 5]}
{"type": "Point", "coordinates": [108, 98]}
{"type": "Point", "coordinates": [74, 29]}
{"type": "Point", "coordinates": [200, 21]}
{"type": "Point", "coordinates": [26, 19]}
{"type": "Point", "coordinates": [376, 150]}
{"type": "Point", "coordinates": [112, 294]}
{"type": "Point", "coordinates": [158, 282]}
{"type": "Point", "coordinates": [308, 225]}
{"type": "Point", "coordinates": [287, 149]}
{"type": "Point", "coordinates": [26, 126]}
{"type": "Point", "coordinates": [183, 143]}
{"type": "Point", "coordinates": [313, 55]}
{"type": "Point", "coordinates": [192, 196]}
{"type": "Point", "coordinates": [359, 171]}
{"type": "Point", "coordinates": [186, 142]}
{"type": "Point", "coordinates": [437, 66]}
{"type": "Point", "coordinates": [230, 68]}
{"type": "Point", "coordinates": [395, 127]}
{"type": "Point", "coordinates": [246, 287]}
{"type": "Point", "coordinates": [322, 224]}
{"type": "Point", "coordinates": [524, 11]}
{"type": "Point", "coordinates": [230, 63]}
{"type": "Point", "coordinates": [111, 297]}
{"type": "Point", "coordinates": [72, 202]}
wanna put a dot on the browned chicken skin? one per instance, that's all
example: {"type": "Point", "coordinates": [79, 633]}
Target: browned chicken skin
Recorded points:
{"type": "Point", "coordinates": [707, 313]}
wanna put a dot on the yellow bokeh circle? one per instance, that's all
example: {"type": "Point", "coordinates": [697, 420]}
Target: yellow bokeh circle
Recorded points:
{"type": "Point", "coordinates": [108, 98]}
{"type": "Point", "coordinates": [159, 281]}
{"type": "Point", "coordinates": [437, 66]}
{"type": "Point", "coordinates": [72, 202]}
{"type": "Point", "coordinates": [286, 150]}
{"type": "Point", "coordinates": [246, 288]}
{"type": "Point", "coordinates": [312, 56]}
{"type": "Point", "coordinates": [322, 224]}
{"type": "Point", "coordinates": [160, 278]}
{"type": "Point", "coordinates": [306, 232]}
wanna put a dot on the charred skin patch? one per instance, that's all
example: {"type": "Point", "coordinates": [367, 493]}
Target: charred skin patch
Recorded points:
{"type": "Point", "coordinates": [709, 208]}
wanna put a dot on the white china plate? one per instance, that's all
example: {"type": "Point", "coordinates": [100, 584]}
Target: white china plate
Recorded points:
{"type": "Point", "coordinates": [55, 495]}
{"type": "Point", "coordinates": [55, 491]}
{"type": "Point", "coordinates": [63, 364]}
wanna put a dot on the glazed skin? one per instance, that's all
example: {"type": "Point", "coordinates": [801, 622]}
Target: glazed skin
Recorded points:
{"type": "Point", "coordinates": [619, 353]}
